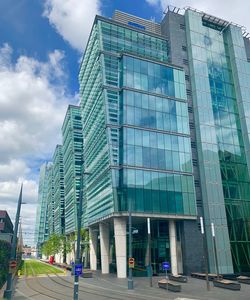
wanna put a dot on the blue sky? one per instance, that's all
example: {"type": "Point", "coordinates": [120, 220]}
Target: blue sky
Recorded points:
{"type": "Point", "coordinates": [25, 29]}
{"type": "Point", "coordinates": [41, 44]}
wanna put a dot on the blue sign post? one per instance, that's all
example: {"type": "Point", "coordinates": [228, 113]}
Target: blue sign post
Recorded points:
{"type": "Point", "coordinates": [78, 270]}
{"type": "Point", "coordinates": [166, 267]}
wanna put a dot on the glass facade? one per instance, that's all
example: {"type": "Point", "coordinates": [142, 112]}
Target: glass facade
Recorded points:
{"type": "Point", "coordinates": [154, 78]}
{"type": "Point", "coordinates": [59, 205]}
{"type": "Point", "coordinates": [72, 161]}
{"type": "Point", "coordinates": [117, 39]}
{"type": "Point", "coordinates": [147, 126]}
{"type": "Point", "coordinates": [154, 112]}
{"type": "Point", "coordinates": [135, 116]}
{"type": "Point", "coordinates": [155, 149]}
{"type": "Point", "coordinates": [41, 233]}
{"type": "Point", "coordinates": [50, 200]}
{"type": "Point", "coordinates": [220, 128]}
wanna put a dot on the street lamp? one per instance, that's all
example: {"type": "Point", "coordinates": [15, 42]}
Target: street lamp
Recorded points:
{"type": "Point", "coordinates": [215, 250]}
{"type": "Point", "coordinates": [79, 222]}
{"type": "Point", "coordinates": [149, 254]}
{"type": "Point", "coordinates": [8, 291]}
{"type": "Point", "coordinates": [205, 251]}
{"type": "Point", "coordinates": [130, 278]}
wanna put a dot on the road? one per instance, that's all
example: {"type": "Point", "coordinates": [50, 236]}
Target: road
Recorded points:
{"type": "Point", "coordinates": [108, 287]}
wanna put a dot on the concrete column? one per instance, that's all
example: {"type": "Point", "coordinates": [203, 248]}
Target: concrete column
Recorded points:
{"type": "Point", "coordinates": [120, 247]}
{"type": "Point", "coordinates": [173, 248]}
{"type": "Point", "coordinates": [104, 243]}
{"type": "Point", "coordinates": [93, 248]}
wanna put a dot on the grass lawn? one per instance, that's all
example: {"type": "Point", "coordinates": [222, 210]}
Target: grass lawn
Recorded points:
{"type": "Point", "coordinates": [32, 267]}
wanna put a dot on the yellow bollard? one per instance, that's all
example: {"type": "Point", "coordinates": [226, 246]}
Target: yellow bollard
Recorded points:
{"type": "Point", "coordinates": [64, 271]}
{"type": "Point", "coordinates": [19, 273]}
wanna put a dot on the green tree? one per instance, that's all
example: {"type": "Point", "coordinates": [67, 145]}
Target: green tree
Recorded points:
{"type": "Point", "coordinates": [85, 246]}
{"type": "Point", "coordinates": [53, 245]}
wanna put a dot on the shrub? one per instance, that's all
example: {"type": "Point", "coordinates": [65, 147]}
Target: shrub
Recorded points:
{"type": "Point", "coordinates": [5, 249]}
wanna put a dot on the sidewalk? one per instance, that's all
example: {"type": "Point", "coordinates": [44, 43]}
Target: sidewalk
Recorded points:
{"type": "Point", "coordinates": [193, 289]}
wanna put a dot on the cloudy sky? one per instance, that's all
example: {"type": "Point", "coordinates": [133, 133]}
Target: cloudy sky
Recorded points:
{"type": "Point", "coordinates": [41, 44]}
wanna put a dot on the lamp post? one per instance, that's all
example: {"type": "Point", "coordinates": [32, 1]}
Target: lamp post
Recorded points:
{"type": "Point", "coordinates": [149, 254]}
{"type": "Point", "coordinates": [215, 252]}
{"type": "Point", "coordinates": [205, 251]}
{"type": "Point", "coordinates": [8, 291]}
{"type": "Point", "coordinates": [79, 222]}
{"type": "Point", "coordinates": [130, 278]}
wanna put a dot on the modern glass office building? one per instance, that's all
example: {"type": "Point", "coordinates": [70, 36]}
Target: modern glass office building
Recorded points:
{"type": "Point", "coordinates": [220, 79]}
{"type": "Point", "coordinates": [41, 230]}
{"type": "Point", "coordinates": [51, 200]}
{"type": "Point", "coordinates": [137, 145]}
{"type": "Point", "coordinates": [165, 120]}
{"type": "Point", "coordinates": [166, 134]}
{"type": "Point", "coordinates": [59, 204]}
{"type": "Point", "coordinates": [72, 162]}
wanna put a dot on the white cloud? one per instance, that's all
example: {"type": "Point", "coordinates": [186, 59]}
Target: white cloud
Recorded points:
{"type": "Point", "coordinates": [9, 193]}
{"type": "Point", "coordinates": [33, 102]}
{"type": "Point", "coordinates": [31, 108]}
{"type": "Point", "coordinates": [72, 19]}
{"type": "Point", "coordinates": [13, 170]}
{"type": "Point", "coordinates": [229, 10]}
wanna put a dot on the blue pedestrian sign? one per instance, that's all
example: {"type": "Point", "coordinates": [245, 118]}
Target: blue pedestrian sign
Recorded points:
{"type": "Point", "coordinates": [165, 265]}
{"type": "Point", "coordinates": [78, 270]}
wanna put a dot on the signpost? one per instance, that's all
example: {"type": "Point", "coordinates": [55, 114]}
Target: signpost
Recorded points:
{"type": "Point", "coordinates": [131, 262]}
{"type": "Point", "coordinates": [166, 267]}
{"type": "Point", "coordinates": [12, 266]}
{"type": "Point", "coordinates": [78, 270]}
{"type": "Point", "coordinates": [205, 251]}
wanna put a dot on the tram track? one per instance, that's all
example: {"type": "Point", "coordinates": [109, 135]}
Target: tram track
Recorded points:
{"type": "Point", "coordinates": [44, 290]}
{"type": "Point", "coordinates": [121, 295]}
{"type": "Point", "coordinates": [48, 292]}
{"type": "Point", "coordinates": [85, 289]}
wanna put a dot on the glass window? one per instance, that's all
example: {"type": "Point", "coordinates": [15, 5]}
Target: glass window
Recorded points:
{"type": "Point", "coordinates": [130, 98]}
{"type": "Point", "coordinates": [131, 155]}
{"type": "Point", "coordinates": [146, 142]}
{"type": "Point", "coordinates": [144, 101]}
{"type": "Point", "coordinates": [146, 157]}
{"type": "Point", "coordinates": [130, 136]}
{"type": "Point", "coordinates": [138, 137]}
{"type": "Point", "coordinates": [131, 177]}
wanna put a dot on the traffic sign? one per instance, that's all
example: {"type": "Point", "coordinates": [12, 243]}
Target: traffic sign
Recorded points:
{"type": "Point", "coordinates": [165, 265]}
{"type": "Point", "coordinates": [78, 270]}
{"type": "Point", "coordinates": [131, 262]}
{"type": "Point", "coordinates": [13, 264]}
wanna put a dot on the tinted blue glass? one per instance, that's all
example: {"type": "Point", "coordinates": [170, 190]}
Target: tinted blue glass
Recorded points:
{"type": "Point", "coordinates": [152, 77]}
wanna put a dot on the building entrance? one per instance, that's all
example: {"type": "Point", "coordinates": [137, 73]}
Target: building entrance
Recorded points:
{"type": "Point", "coordinates": [160, 247]}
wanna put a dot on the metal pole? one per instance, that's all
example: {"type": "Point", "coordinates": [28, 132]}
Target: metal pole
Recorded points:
{"type": "Point", "coordinates": [205, 252]}
{"type": "Point", "coordinates": [130, 279]}
{"type": "Point", "coordinates": [8, 291]}
{"type": "Point", "coordinates": [215, 252]}
{"type": "Point", "coordinates": [79, 222]}
{"type": "Point", "coordinates": [149, 254]}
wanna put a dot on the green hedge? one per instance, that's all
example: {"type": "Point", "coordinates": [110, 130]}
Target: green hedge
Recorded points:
{"type": "Point", "coordinates": [5, 249]}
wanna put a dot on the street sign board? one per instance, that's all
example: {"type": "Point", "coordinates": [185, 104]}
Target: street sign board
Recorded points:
{"type": "Point", "coordinates": [165, 265]}
{"type": "Point", "coordinates": [78, 270]}
{"type": "Point", "coordinates": [131, 262]}
{"type": "Point", "coordinates": [13, 264]}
